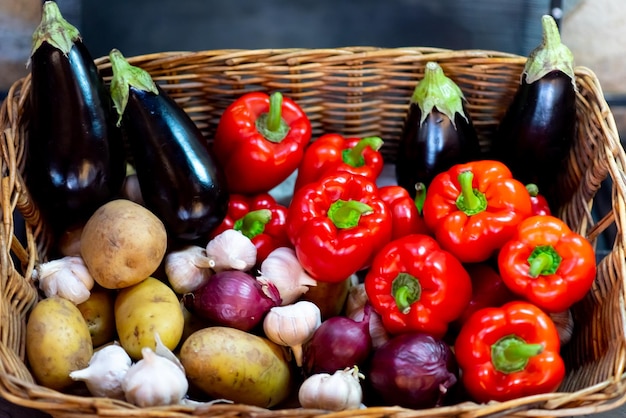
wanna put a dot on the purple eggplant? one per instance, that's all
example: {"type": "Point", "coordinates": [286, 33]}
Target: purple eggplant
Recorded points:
{"type": "Point", "coordinates": [437, 131]}
{"type": "Point", "coordinates": [179, 178]}
{"type": "Point", "coordinates": [536, 133]}
{"type": "Point", "coordinates": [75, 153]}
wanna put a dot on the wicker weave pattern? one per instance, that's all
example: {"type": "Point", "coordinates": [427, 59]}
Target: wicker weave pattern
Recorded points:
{"type": "Point", "coordinates": [360, 92]}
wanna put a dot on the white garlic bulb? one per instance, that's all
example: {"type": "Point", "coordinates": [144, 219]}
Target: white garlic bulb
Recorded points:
{"type": "Point", "coordinates": [283, 269]}
{"type": "Point", "coordinates": [340, 391]}
{"type": "Point", "coordinates": [106, 370]}
{"type": "Point", "coordinates": [66, 277]}
{"type": "Point", "coordinates": [188, 269]}
{"type": "Point", "coordinates": [231, 250]}
{"type": "Point", "coordinates": [292, 325]}
{"type": "Point", "coordinates": [154, 381]}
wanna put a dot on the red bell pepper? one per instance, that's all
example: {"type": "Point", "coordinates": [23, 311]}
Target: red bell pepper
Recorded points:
{"type": "Point", "coordinates": [259, 218]}
{"type": "Point", "coordinates": [538, 201]}
{"type": "Point", "coordinates": [488, 290]}
{"type": "Point", "coordinates": [547, 263]}
{"type": "Point", "coordinates": [405, 211]}
{"type": "Point", "coordinates": [333, 152]}
{"type": "Point", "coordinates": [474, 208]}
{"type": "Point", "coordinates": [337, 225]}
{"type": "Point", "coordinates": [260, 141]}
{"type": "Point", "coordinates": [414, 285]}
{"type": "Point", "coordinates": [509, 352]}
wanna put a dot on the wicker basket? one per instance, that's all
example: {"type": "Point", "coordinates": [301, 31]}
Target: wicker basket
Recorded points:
{"type": "Point", "coordinates": [355, 91]}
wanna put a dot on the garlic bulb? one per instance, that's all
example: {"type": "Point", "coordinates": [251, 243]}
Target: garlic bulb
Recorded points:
{"type": "Point", "coordinates": [188, 268]}
{"type": "Point", "coordinates": [282, 268]}
{"type": "Point", "coordinates": [105, 372]}
{"type": "Point", "coordinates": [155, 381]}
{"type": "Point", "coordinates": [292, 325]}
{"type": "Point", "coordinates": [66, 277]}
{"type": "Point", "coordinates": [231, 250]}
{"type": "Point", "coordinates": [340, 391]}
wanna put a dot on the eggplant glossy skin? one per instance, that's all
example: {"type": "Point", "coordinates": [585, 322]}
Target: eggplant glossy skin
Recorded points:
{"type": "Point", "coordinates": [178, 175]}
{"type": "Point", "coordinates": [433, 146]}
{"type": "Point", "coordinates": [76, 160]}
{"type": "Point", "coordinates": [537, 131]}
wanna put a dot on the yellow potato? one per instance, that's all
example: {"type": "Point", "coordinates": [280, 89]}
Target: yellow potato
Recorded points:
{"type": "Point", "coordinates": [144, 309]}
{"type": "Point", "coordinates": [57, 342]}
{"type": "Point", "coordinates": [98, 312]}
{"type": "Point", "coordinates": [122, 243]}
{"type": "Point", "coordinates": [228, 363]}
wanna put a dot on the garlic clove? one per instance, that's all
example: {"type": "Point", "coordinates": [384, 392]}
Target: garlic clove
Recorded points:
{"type": "Point", "coordinates": [283, 269]}
{"type": "Point", "coordinates": [292, 325]}
{"type": "Point", "coordinates": [340, 391]}
{"type": "Point", "coordinates": [188, 269]}
{"type": "Point", "coordinates": [67, 277]}
{"type": "Point", "coordinates": [231, 249]}
{"type": "Point", "coordinates": [106, 370]}
{"type": "Point", "coordinates": [154, 381]}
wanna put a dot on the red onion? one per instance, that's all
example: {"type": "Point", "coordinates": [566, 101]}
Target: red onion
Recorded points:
{"type": "Point", "coordinates": [232, 298]}
{"type": "Point", "coordinates": [339, 342]}
{"type": "Point", "coordinates": [413, 370]}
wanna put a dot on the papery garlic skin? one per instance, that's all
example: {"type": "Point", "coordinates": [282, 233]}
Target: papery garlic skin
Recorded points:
{"type": "Point", "coordinates": [292, 325]}
{"type": "Point", "coordinates": [67, 277]}
{"type": "Point", "coordinates": [188, 268]}
{"type": "Point", "coordinates": [340, 391]}
{"type": "Point", "coordinates": [154, 381]}
{"type": "Point", "coordinates": [106, 371]}
{"type": "Point", "coordinates": [283, 269]}
{"type": "Point", "coordinates": [231, 250]}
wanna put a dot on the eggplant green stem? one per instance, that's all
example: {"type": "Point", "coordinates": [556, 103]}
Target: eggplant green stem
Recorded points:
{"type": "Point", "coordinates": [354, 156]}
{"type": "Point", "coordinates": [550, 55]}
{"type": "Point", "coordinates": [271, 124]}
{"type": "Point", "coordinates": [438, 91]}
{"type": "Point", "coordinates": [470, 200]}
{"type": "Point", "coordinates": [126, 76]}
{"type": "Point", "coordinates": [511, 354]}
{"type": "Point", "coordinates": [544, 260]}
{"type": "Point", "coordinates": [55, 30]}
{"type": "Point", "coordinates": [347, 213]}
{"type": "Point", "coordinates": [253, 223]}
{"type": "Point", "coordinates": [406, 290]}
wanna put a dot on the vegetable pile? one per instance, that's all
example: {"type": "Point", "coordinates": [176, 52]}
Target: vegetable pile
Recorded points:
{"type": "Point", "coordinates": [198, 285]}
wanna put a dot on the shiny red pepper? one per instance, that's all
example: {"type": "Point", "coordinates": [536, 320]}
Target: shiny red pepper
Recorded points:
{"type": "Point", "coordinates": [414, 285]}
{"type": "Point", "coordinates": [337, 225]}
{"type": "Point", "coordinates": [474, 208]}
{"type": "Point", "coordinates": [405, 211]}
{"type": "Point", "coordinates": [547, 263]}
{"type": "Point", "coordinates": [333, 152]}
{"type": "Point", "coordinates": [260, 141]}
{"type": "Point", "coordinates": [259, 218]}
{"type": "Point", "coordinates": [509, 352]}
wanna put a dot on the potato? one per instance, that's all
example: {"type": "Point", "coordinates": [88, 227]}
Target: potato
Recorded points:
{"type": "Point", "coordinates": [228, 363]}
{"type": "Point", "coordinates": [122, 243]}
{"type": "Point", "coordinates": [144, 309]}
{"type": "Point", "coordinates": [98, 312]}
{"type": "Point", "coordinates": [57, 342]}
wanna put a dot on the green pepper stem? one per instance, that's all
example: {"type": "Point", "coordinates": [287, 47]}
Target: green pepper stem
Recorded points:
{"type": "Point", "coordinates": [470, 201]}
{"type": "Point", "coordinates": [420, 196]}
{"type": "Point", "coordinates": [253, 223]}
{"type": "Point", "coordinates": [347, 213]}
{"type": "Point", "coordinates": [511, 354]}
{"type": "Point", "coordinates": [271, 124]}
{"type": "Point", "coordinates": [275, 113]}
{"type": "Point", "coordinates": [406, 290]}
{"type": "Point", "coordinates": [533, 189]}
{"type": "Point", "coordinates": [543, 260]}
{"type": "Point", "coordinates": [353, 156]}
